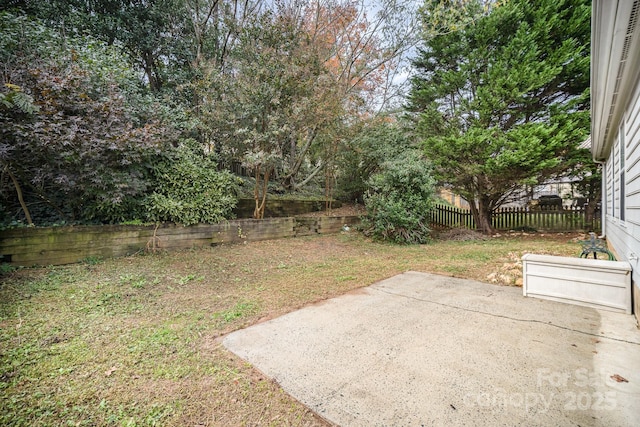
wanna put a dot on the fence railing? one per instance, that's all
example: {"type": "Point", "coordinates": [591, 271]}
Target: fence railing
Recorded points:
{"type": "Point", "coordinates": [539, 218]}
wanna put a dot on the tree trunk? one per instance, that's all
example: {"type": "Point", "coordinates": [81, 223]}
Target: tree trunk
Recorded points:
{"type": "Point", "coordinates": [289, 181]}
{"type": "Point", "coordinates": [150, 69]}
{"type": "Point", "coordinates": [260, 199]}
{"type": "Point", "coordinates": [20, 198]}
{"type": "Point", "coordinates": [256, 194]}
{"type": "Point", "coordinates": [482, 215]}
{"type": "Point", "coordinates": [310, 177]}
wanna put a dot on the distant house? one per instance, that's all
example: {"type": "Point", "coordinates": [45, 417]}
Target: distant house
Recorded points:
{"type": "Point", "coordinates": [455, 199]}
{"type": "Point", "coordinates": [615, 125]}
{"type": "Point", "coordinates": [563, 187]}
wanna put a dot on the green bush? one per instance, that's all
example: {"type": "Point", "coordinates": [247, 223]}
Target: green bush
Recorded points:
{"type": "Point", "coordinates": [78, 133]}
{"type": "Point", "coordinates": [398, 200]}
{"type": "Point", "coordinates": [363, 155]}
{"type": "Point", "coordinates": [191, 189]}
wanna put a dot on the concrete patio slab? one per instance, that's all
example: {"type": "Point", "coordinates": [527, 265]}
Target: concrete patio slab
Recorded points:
{"type": "Point", "coordinates": [420, 349]}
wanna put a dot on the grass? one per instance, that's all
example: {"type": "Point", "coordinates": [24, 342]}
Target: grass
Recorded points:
{"type": "Point", "coordinates": [134, 341]}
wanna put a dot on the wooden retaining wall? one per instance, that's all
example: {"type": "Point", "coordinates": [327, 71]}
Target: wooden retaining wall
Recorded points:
{"type": "Point", "coordinates": [65, 245]}
{"type": "Point", "coordinates": [281, 208]}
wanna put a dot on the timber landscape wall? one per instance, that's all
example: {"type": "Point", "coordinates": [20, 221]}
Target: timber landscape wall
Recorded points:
{"type": "Point", "coordinates": [275, 208]}
{"type": "Point", "coordinates": [65, 245]}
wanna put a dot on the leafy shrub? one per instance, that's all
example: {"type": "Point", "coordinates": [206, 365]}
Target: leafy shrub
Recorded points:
{"type": "Point", "coordinates": [77, 133]}
{"type": "Point", "coordinates": [190, 189]}
{"type": "Point", "coordinates": [363, 155]}
{"type": "Point", "coordinates": [6, 268]}
{"type": "Point", "coordinates": [398, 200]}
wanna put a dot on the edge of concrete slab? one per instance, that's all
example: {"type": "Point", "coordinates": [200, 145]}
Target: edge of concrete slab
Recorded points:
{"type": "Point", "coordinates": [590, 345]}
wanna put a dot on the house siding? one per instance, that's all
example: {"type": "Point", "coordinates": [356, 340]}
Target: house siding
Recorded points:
{"type": "Point", "coordinates": [615, 125]}
{"type": "Point", "coordinates": [623, 231]}
{"type": "Point", "coordinates": [608, 174]}
{"type": "Point", "coordinates": [615, 161]}
{"type": "Point", "coordinates": [632, 142]}
{"type": "Point", "coordinates": [623, 244]}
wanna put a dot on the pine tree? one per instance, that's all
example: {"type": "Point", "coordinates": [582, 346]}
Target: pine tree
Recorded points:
{"type": "Point", "coordinates": [502, 102]}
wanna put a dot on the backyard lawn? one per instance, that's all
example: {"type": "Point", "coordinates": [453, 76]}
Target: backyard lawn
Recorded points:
{"type": "Point", "coordinates": [134, 341]}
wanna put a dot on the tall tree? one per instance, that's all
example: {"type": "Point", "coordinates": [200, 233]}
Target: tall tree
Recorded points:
{"type": "Point", "coordinates": [272, 92]}
{"type": "Point", "coordinates": [503, 101]}
{"type": "Point", "coordinates": [363, 154]}
{"type": "Point", "coordinates": [76, 135]}
{"type": "Point", "coordinates": [154, 34]}
{"type": "Point", "coordinates": [361, 45]}
{"type": "Point", "coordinates": [214, 27]}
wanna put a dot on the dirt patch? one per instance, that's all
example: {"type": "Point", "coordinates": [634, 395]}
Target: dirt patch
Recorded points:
{"type": "Point", "coordinates": [459, 234]}
{"type": "Point", "coordinates": [510, 272]}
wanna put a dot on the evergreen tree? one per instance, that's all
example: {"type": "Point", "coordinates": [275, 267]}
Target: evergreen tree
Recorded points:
{"type": "Point", "coordinates": [503, 101]}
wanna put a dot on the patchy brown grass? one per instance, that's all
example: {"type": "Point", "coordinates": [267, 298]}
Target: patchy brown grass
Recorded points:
{"type": "Point", "coordinates": [134, 341]}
